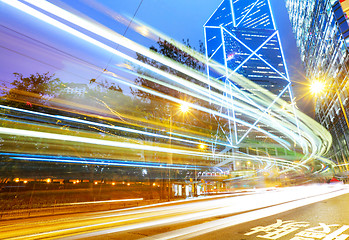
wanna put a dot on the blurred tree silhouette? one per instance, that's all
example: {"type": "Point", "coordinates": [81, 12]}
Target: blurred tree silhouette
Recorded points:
{"type": "Point", "coordinates": [159, 109]}
{"type": "Point", "coordinates": [35, 89]}
{"type": "Point", "coordinates": [170, 51]}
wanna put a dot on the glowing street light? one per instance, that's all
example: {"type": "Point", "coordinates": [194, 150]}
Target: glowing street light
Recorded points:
{"type": "Point", "coordinates": [184, 108]}
{"type": "Point", "coordinates": [202, 146]}
{"type": "Point", "coordinates": [317, 87]}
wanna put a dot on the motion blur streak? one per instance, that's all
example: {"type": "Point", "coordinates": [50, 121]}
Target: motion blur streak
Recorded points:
{"type": "Point", "coordinates": [283, 126]}
{"type": "Point", "coordinates": [108, 201]}
{"type": "Point", "coordinates": [100, 125]}
{"type": "Point", "coordinates": [82, 226]}
{"type": "Point", "coordinates": [69, 138]}
{"type": "Point", "coordinates": [27, 133]}
{"type": "Point", "coordinates": [200, 229]}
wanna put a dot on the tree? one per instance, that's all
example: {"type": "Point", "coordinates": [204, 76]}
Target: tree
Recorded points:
{"type": "Point", "coordinates": [37, 88]}
{"type": "Point", "coordinates": [155, 107]}
{"type": "Point", "coordinates": [27, 92]}
{"type": "Point", "coordinates": [168, 50]}
{"type": "Point", "coordinates": [165, 113]}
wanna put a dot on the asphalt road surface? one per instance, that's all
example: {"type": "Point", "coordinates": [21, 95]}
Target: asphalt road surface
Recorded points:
{"type": "Point", "coordinates": [297, 213]}
{"type": "Point", "coordinates": [327, 219]}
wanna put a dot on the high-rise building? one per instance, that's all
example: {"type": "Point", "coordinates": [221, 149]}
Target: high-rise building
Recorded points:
{"type": "Point", "coordinates": [322, 34]}
{"type": "Point", "coordinates": [241, 38]}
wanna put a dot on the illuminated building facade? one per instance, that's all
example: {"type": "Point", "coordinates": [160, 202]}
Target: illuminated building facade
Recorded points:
{"type": "Point", "coordinates": [322, 33]}
{"type": "Point", "coordinates": [241, 38]}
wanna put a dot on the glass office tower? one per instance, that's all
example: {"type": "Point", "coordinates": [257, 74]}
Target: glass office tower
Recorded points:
{"type": "Point", "coordinates": [241, 38]}
{"type": "Point", "coordinates": [322, 33]}
{"type": "Point", "coordinates": [241, 35]}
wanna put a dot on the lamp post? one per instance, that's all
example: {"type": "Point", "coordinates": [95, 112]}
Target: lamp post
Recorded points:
{"type": "Point", "coordinates": [184, 108]}
{"type": "Point", "coordinates": [202, 147]}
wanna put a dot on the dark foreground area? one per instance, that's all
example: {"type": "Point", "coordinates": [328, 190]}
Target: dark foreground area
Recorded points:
{"type": "Point", "coordinates": [38, 199]}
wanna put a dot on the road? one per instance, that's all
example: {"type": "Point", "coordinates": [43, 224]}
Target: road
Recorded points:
{"type": "Point", "coordinates": [328, 220]}
{"type": "Point", "coordinates": [274, 213]}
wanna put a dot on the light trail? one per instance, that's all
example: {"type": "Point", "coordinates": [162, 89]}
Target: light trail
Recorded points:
{"type": "Point", "coordinates": [216, 99]}
{"type": "Point", "coordinates": [204, 228]}
{"type": "Point", "coordinates": [215, 113]}
{"type": "Point", "coordinates": [231, 210]}
{"type": "Point", "coordinates": [99, 111]}
{"type": "Point", "coordinates": [93, 161]}
{"type": "Point", "coordinates": [292, 126]}
{"type": "Point", "coordinates": [94, 141]}
{"type": "Point", "coordinates": [107, 201]}
{"type": "Point", "coordinates": [130, 130]}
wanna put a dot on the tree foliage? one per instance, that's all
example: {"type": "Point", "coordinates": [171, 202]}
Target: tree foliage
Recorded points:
{"type": "Point", "coordinates": [41, 84]}
{"type": "Point", "coordinates": [157, 106]}
{"type": "Point", "coordinates": [36, 88]}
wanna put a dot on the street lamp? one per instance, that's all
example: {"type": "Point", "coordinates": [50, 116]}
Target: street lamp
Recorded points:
{"type": "Point", "coordinates": [184, 108]}
{"type": "Point", "coordinates": [318, 87]}
{"type": "Point", "coordinates": [202, 146]}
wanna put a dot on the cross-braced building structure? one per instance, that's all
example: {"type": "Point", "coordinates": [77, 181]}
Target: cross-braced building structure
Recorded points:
{"type": "Point", "coordinates": [241, 38]}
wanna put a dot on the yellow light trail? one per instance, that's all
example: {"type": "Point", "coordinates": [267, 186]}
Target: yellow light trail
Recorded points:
{"type": "Point", "coordinates": [313, 138]}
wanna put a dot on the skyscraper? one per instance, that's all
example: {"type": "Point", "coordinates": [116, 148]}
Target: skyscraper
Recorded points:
{"type": "Point", "coordinates": [241, 38]}
{"type": "Point", "coordinates": [322, 33]}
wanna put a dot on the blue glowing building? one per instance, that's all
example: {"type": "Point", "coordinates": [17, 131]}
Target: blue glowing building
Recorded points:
{"type": "Point", "coordinates": [241, 39]}
{"type": "Point", "coordinates": [241, 36]}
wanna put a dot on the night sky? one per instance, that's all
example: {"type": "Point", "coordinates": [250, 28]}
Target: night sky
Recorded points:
{"type": "Point", "coordinates": [29, 45]}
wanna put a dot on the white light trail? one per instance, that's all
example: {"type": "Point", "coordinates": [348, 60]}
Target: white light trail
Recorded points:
{"type": "Point", "coordinates": [211, 226]}
{"type": "Point", "coordinates": [94, 141]}
{"type": "Point", "coordinates": [242, 208]}
{"type": "Point", "coordinates": [308, 134]}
